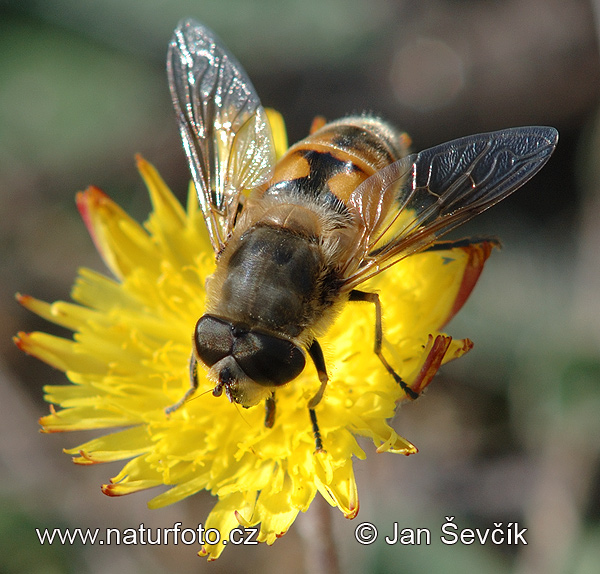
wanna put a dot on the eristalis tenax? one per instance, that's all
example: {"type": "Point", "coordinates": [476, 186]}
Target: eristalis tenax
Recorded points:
{"type": "Point", "coordinates": [294, 238]}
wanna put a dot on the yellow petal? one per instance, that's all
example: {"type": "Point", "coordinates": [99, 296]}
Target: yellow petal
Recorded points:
{"type": "Point", "coordinates": [397, 444]}
{"type": "Point", "coordinates": [122, 242]}
{"type": "Point", "coordinates": [84, 418]}
{"type": "Point", "coordinates": [342, 489]}
{"type": "Point", "coordinates": [121, 445]}
{"type": "Point", "coordinates": [275, 511]}
{"type": "Point", "coordinates": [60, 313]}
{"type": "Point", "coordinates": [278, 131]}
{"type": "Point", "coordinates": [57, 352]}
{"type": "Point", "coordinates": [224, 518]}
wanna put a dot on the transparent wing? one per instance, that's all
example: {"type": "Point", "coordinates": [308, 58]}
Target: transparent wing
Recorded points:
{"type": "Point", "coordinates": [409, 204]}
{"type": "Point", "coordinates": [224, 128]}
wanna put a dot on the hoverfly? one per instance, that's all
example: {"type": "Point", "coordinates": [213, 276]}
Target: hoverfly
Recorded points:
{"type": "Point", "coordinates": [294, 238]}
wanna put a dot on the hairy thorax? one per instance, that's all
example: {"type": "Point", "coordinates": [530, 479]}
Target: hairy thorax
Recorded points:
{"type": "Point", "coordinates": [276, 272]}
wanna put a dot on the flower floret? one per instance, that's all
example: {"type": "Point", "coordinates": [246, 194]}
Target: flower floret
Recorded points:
{"type": "Point", "coordinates": [128, 360]}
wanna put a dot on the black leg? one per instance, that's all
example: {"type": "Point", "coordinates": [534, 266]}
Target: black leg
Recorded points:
{"type": "Point", "coordinates": [270, 411]}
{"type": "Point", "coordinates": [316, 431]}
{"type": "Point", "coordinates": [356, 295]}
{"type": "Point", "coordinates": [316, 354]}
{"type": "Point", "coordinates": [444, 245]}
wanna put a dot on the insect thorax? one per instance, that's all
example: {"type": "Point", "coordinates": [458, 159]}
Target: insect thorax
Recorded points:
{"type": "Point", "coordinates": [275, 274]}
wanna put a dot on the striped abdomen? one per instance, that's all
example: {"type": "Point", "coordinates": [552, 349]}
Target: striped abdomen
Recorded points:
{"type": "Point", "coordinates": [330, 163]}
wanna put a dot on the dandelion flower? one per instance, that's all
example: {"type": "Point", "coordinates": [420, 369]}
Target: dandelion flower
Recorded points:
{"type": "Point", "coordinates": [128, 361]}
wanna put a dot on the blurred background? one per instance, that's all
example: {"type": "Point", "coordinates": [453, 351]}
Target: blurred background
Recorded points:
{"type": "Point", "coordinates": [511, 433]}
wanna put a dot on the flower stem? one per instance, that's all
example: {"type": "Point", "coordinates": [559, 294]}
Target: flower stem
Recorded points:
{"type": "Point", "coordinates": [320, 555]}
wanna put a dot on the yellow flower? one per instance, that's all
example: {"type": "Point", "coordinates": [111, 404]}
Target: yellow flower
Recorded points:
{"type": "Point", "coordinates": [128, 360]}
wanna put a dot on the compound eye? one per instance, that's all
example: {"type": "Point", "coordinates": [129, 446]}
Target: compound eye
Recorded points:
{"type": "Point", "coordinates": [268, 360]}
{"type": "Point", "coordinates": [213, 339]}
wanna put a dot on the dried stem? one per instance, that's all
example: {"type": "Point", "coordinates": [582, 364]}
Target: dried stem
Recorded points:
{"type": "Point", "coordinates": [320, 554]}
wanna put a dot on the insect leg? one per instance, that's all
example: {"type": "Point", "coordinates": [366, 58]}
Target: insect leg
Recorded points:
{"type": "Point", "coordinates": [270, 411]}
{"type": "Point", "coordinates": [356, 295]}
{"type": "Point", "coordinates": [466, 242]}
{"type": "Point", "coordinates": [316, 354]}
{"type": "Point", "coordinates": [316, 431]}
{"type": "Point", "coordinates": [191, 390]}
